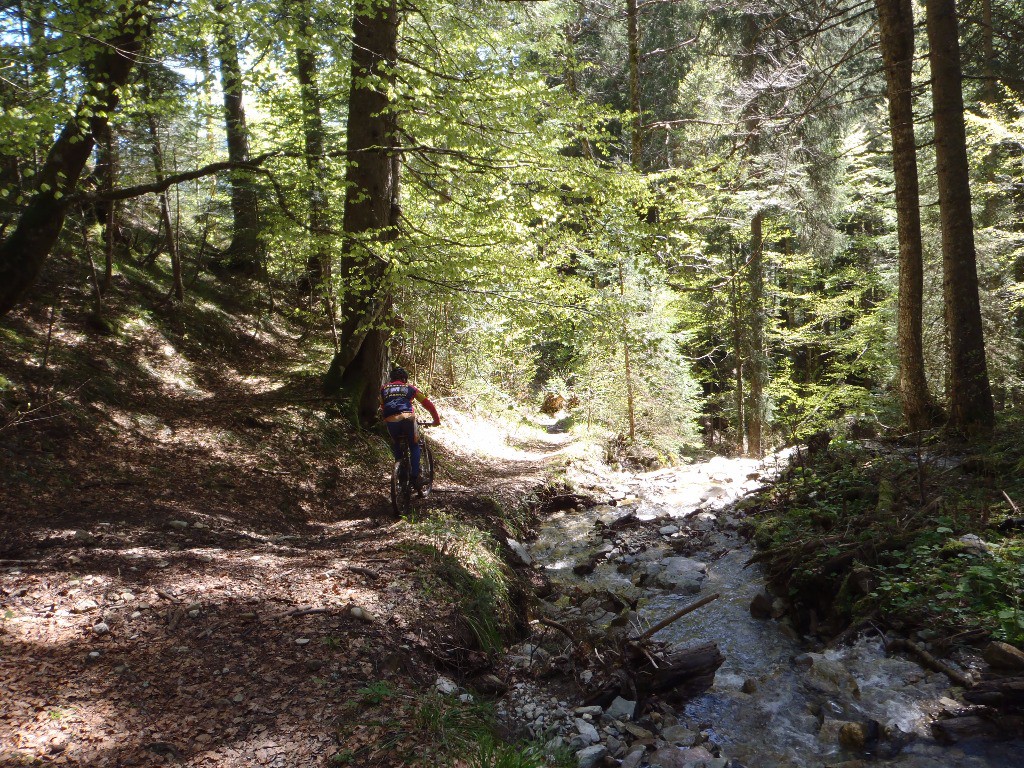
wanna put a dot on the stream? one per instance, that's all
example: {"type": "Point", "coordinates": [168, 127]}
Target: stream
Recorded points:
{"type": "Point", "coordinates": [775, 701]}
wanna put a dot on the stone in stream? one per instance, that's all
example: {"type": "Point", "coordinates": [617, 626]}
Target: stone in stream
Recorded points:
{"type": "Point", "coordinates": [674, 757]}
{"type": "Point", "coordinates": [761, 606]}
{"type": "Point", "coordinates": [520, 552]}
{"type": "Point", "coordinates": [1003, 656]}
{"type": "Point", "coordinates": [679, 734]}
{"type": "Point", "coordinates": [681, 575]}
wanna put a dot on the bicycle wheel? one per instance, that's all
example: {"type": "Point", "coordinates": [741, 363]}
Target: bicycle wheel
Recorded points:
{"type": "Point", "coordinates": [427, 468]}
{"type": "Point", "coordinates": [401, 484]}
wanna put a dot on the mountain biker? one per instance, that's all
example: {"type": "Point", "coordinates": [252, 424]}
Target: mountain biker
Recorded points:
{"type": "Point", "coordinates": [398, 412]}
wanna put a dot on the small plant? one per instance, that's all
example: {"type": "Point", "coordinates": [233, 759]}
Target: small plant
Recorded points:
{"type": "Point", "coordinates": [376, 692]}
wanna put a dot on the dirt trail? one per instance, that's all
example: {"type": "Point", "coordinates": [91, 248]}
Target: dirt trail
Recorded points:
{"type": "Point", "coordinates": [172, 617]}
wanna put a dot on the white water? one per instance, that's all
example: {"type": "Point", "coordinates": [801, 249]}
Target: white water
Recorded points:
{"type": "Point", "coordinates": [778, 724]}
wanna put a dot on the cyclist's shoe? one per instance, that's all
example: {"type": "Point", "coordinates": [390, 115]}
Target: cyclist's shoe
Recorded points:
{"type": "Point", "coordinates": [419, 484]}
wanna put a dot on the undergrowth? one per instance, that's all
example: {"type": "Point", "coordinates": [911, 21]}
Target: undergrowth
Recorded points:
{"type": "Point", "coordinates": [462, 563]}
{"type": "Point", "coordinates": [389, 724]}
{"type": "Point", "coordinates": [917, 537]}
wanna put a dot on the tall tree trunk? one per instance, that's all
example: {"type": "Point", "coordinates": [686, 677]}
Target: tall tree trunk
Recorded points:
{"type": "Point", "coordinates": [178, 287]}
{"type": "Point", "coordinates": [245, 251]}
{"type": "Point", "coordinates": [627, 363]}
{"type": "Point", "coordinates": [753, 337]}
{"type": "Point", "coordinates": [318, 261]}
{"type": "Point", "coordinates": [371, 208]}
{"type": "Point", "coordinates": [755, 326]}
{"type": "Point", "coordinates": [633, 54]}
{"type": "Point", "coordinates": [896, 25]}
{"type": "Point", "coordinates": [971, 411]}
{"type": "Point", "coordinates": [988, 50]}
{"type": "Point", "coordinates": [24, 251]}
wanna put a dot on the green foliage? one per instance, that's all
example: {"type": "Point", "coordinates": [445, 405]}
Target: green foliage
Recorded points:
{"type": "Point", "coordinates": [465, 565]}
{"type": "Point", "coordinates": [847, 535]}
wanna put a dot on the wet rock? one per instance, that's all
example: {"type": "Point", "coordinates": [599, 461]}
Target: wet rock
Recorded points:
{"type": "Point", "coordinates": [591, 756]}
{"type": "Point", "coordinates": [679, 734]}
{"type": "Point", "coordinates": [859, 736]}
{"type": "Point", "coordinates": [831, 676]}
{"type": "Point", "coordinates": [681, 575]}
{"type": "Point", "coordinates": [520, 552]}
{"type": "Point", "coordinates": [621, 709]}
{"type": "Point", "coordinates": [780, 607]}
{"type": "Point", "coordinates": [674, 757]}
{"type": "Point", "coordinates": [749, 685]}
{"type": "Point", "coordinates": [761, 606]}
{"type": "Point", "coordinates": [956, 729]}
{"type": "Point", "coordinates": [1004, 656]}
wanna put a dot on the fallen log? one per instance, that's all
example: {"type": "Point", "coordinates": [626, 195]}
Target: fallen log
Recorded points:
{"type": "Point", "coordinates": [930, 662]}
{"type": "Point", "coordinates": [678, 615]}
{"type": "Point", "coordinates": [678, 675]}
{"type": "Point", "coordinates": [997, 692]}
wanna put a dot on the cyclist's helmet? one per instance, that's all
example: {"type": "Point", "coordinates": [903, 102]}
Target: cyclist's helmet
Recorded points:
{"type": "Point", "coordinates": [399, 374]}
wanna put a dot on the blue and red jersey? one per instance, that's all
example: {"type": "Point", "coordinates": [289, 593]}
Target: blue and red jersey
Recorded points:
{"type": "Point", "coordinates": [398, 396]}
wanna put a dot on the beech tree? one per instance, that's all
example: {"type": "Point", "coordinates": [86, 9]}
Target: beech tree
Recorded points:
{"type": "Point", "coordinates": [371, 207]}
{"type": "Point", "coordinates": [23, 251]}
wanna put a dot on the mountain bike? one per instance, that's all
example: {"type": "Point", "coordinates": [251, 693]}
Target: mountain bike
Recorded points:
{"type": "Point", "coordinates": [401, 475]}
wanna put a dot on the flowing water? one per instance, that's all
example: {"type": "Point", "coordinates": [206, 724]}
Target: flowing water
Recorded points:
{"type": "Point", "coordinates": [773, 704]}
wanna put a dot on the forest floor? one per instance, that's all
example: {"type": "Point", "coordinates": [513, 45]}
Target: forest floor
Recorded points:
{"type": "Point", "coordinates": [198, 562]}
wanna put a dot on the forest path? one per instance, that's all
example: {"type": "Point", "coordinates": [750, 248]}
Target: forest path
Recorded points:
{"type": "Point", "coordinates": [191, 601]}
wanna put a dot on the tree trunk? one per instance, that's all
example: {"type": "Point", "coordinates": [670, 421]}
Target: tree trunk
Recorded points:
{"type": "Point", "coordinates": [971, 411]}
{"type": "Point", "coordinates": [988, 50]}
{"type": "Point", "coordinates": [24, 251]}
{"type": "Point", "coordinates": [245, 252]}
{"type": "Point", "coordinates": [755, 353]}
{"type": "Point", "coordinates": [178, 287]}
{"type": "Point", "coordinates": [318, 261]}
{"type": "Point", "coordinates": [627, 365]}
{"type": "Point", "coordinates": [371, 209]}
{"type": "Point", "coordinates": [753, 338]}
{"type": "Point", "coordinates": [896, 25]}
{"type": "Point", "coordinates": [633, 48]}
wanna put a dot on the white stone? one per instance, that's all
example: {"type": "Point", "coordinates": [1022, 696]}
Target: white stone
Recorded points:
{"type": "Point", "coordinates": [446, 686]}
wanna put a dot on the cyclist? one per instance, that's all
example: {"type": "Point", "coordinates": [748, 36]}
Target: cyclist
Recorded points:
{"type": "Point", "coordinates": [396, 405]}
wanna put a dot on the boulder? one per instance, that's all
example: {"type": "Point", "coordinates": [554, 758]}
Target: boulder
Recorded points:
{"type": "Point", "coordinates": [681, 575]}
{"type": "Point", "coordinates": [1004, 656]}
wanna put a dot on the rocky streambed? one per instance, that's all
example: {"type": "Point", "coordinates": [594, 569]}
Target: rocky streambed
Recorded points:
{"type": "Point", "coordinates": [658, 541]}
